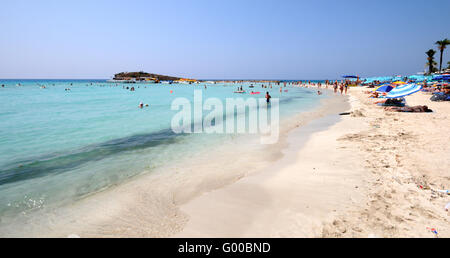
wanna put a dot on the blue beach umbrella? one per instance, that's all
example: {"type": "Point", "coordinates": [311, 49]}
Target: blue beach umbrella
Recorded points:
{"type": "Point", "coordinates": [385, 88]}
{"type": "Point", "coordinates": [350, 77]}
{"type": "Point", "coordinates": [404, 90]}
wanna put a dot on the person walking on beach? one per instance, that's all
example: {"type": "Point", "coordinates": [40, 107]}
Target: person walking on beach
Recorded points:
{"type": "Point", "coordinates": [341, 88]}
{"type": "Point", "coordinates": [335, 87]}
{"type": "Point", "coordinates": [268, 97]}
{"type": "Point", "coordinates": [346, 88]}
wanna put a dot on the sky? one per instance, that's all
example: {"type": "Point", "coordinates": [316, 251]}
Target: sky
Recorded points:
{"type": "Point", "coordinates": [211, 39]}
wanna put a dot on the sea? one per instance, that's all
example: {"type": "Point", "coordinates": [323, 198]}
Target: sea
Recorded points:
{"type": "Point", "coordinates": [62, 141]}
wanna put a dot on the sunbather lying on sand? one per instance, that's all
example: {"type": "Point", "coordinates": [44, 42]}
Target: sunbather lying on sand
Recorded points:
{"type": "Point", "coordinates": [389, 101]}
{"type": "Point", "coordinates": [416, 109]}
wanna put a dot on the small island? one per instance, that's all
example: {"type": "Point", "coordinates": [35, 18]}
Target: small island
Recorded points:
{"type": "Point", "coordinates": [143, 77]}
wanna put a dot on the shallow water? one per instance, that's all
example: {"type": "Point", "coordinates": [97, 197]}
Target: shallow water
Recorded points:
{"type": "Point", "coordinates": [58, 146]}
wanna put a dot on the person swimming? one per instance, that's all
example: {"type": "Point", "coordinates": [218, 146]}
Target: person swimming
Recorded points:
{"type": "Point", "coordinates": [268, 97]}
{"type": "Point", "coordinates": [141, 105]}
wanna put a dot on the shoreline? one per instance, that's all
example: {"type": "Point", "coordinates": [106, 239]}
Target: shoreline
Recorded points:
{"type": "Point", "coordinates": [290, 198]}
{"type": "Point", "coordinates": [367, 175]}
{"type": "Point", "coordinates": [329, 176]}
{"type": "Point", "coordinates": [147, 205]}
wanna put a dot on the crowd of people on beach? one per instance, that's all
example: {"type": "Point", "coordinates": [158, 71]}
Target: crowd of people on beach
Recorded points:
{"type": "Point", "coordinates": [337, 86]}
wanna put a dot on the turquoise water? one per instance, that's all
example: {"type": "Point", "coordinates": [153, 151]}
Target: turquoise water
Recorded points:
{"type": "Point", "coordinates": [58, 146]}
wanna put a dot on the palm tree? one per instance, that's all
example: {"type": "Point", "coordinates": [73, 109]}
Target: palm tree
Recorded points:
{"type": "Point", "coordinates": [442, 44]}
{"type": "Point", "coordinates": [431, 63]}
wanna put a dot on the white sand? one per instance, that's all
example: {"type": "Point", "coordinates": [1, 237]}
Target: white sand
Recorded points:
{"type": "Point", "coordinates": [401, 151]}
{"type": "Point", "coordinates": [359, 178]}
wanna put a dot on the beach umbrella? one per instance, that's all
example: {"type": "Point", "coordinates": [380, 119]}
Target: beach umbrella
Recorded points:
{"type": "Point", "coordinates": [385, 88]}
{"type": "Point", "coordinates": [350, 77]}
{"type": "Point", "coordinates": [403, 91]}
{"type": "Point", "coordinates": [398, 83]}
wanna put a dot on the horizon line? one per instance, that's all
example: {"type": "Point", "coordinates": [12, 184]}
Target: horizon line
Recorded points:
{"type": "Point", "coordinates": [209, 79]}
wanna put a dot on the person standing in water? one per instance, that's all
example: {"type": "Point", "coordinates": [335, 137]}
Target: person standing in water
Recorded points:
{"type": "Point", "coordinates": [268, 97]}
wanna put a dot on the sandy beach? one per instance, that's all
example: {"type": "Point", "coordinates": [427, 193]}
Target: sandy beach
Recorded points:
{"type": "Point", "coordinates": [187, 120]}
{"type": "Point", "coordinates": [371, 174]}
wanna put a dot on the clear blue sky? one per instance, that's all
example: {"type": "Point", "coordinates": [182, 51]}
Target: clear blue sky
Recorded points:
{"type": "Point", "coordinates": [219, 39]}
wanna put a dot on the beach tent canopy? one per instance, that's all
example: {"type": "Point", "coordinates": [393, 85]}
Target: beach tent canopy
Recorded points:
{"type": "Point", "coordinates": [380, 79]}
{"type": "Point", "coordinates": [399, 83]}
{"type": "Point", "coordinates": [404, 90]}
{"type": "Point", "coordinates": [385, 88]}
{"type": "Point", "coordinates": [350, 77]}
{"type": "Point", "coordinates": [420, 78]}
{"type": "Point", "coordinates": [416, 77]}
{"type": "Point", "coordinates": [442, 77]}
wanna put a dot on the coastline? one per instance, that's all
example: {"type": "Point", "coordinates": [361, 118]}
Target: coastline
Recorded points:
{"type": "Point", "coordinates": [290, 198]}
{"type": "Point", "coordinates": [148, 205]}
{"type": "Point", "coordinates": [360, 177]}
{"type": "Point", "coordinates": [329, 176]}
